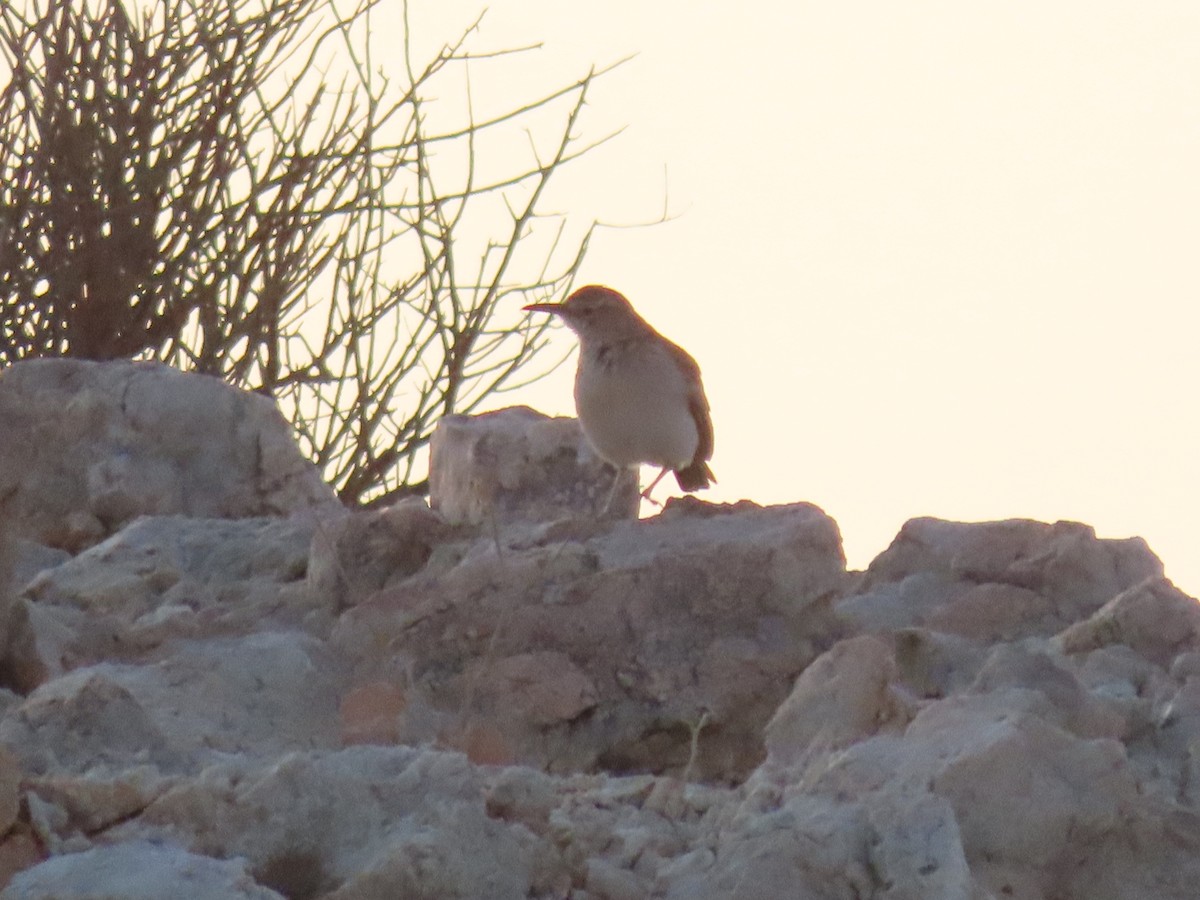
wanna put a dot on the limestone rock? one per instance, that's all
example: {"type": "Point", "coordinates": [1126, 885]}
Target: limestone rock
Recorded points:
{"type": "Point", "coordinates": [1029, 799]}
{"type": "Point", "coordinates": [615, 648]}
{"type": "Point", "coordinates": [85, 721]}
{"type": "Point", "coordinates": [30, 559]}
{"type": "Point", "coordinates": [702, 704]}
{"type": "Point", "coordinates": [136, 871]}
{"type": "Point", "coordinates": [162, 579]}
{"type": "Point", "coordinates": [70, 808]}
{"type": "Point", "coordinates": [995, 580]}
{"type": "Point", "coordinates": [932, 664]}
{"type": "Point", "coordinates": [1065, 559]}
{"type": "Point", "coordinates": [260, 694]}
{"type": "Point", "coordinates": [10, 789]}
{"type": "Point", "coordinates": [518, 465]}
{"type": "Point", "coordinates": [814, 848]}
{"type": "Point", "coordinates": [358, 554]}
{"type": "Point", "coordinates": [371, 713]}
{"type": "Point", "coordinates": [918, 850]}
{"type": "Point", "coordinates": [19, 850]}
{"type": "Point", "coordinates": [90, 446]}
{"type": "Point", "coordinates": [1035, 668]}
{"type": "Point", "coordinates": [363, 822]}
{"type": "Point", "coordinates": [845, 696]}
{"type": "Point", "coordinates": [1154, 618]}
{"type": "Point", "coordinates": [1023, 790]}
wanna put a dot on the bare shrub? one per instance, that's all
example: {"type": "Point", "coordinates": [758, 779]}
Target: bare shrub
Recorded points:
{"type": "Point", "coordinates": [237, 189]}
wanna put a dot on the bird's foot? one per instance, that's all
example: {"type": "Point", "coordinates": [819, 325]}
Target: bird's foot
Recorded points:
{"type": "Point", "coordinates": [645, 495]}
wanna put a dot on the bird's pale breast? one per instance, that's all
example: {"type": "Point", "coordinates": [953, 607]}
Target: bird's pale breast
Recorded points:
{"type": "Point", "coordinates": [633, 407]}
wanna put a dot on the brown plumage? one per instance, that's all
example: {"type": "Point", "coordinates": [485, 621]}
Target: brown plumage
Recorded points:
{"type": "Point", "coordinates": [639, 396]}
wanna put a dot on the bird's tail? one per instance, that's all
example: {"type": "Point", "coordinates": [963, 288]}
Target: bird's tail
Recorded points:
{"type": "Point", "coordinates": [695, 477]}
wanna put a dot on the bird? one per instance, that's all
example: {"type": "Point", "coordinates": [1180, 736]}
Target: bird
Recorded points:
{"type": "Point", "coordinates": [639, 397]}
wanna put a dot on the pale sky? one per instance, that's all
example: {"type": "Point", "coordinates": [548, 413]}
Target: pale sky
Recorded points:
{"type": "Point", "coordinates": [934, 258]}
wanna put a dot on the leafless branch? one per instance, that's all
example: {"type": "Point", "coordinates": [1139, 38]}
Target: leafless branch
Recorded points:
{"type": "Point", "coordinates": [235, 188]}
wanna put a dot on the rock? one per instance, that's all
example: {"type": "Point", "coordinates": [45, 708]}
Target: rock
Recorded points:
{"type": "Point", "coordinates": [1029, 798]}
{"type": "Point", "coordinates": [363, 822]}
{"type": "Point", "coordinates": [358, 554]}
{"type": "Point", "coordinates": [32, 641]}
{"type": "Point", "coordinates": [814, 848]}
{"type": "Point", "coordinates": [702, 704]}
{"type": "Point", "coordinates": [994, 580]}
{"type": "Point", "coordinates": [82, 722]}
{"type": "Point", "coordinates": [882, 606]}
{"type": "Point", "coordinates": [544, 688]}
{"type": "Point", "coordinates": [1035, 668]}
{"type": "Point", "coordinates": [90, 446]}
{"type": "Point", "coordinates": [1065, 559]}
{"type": "Point", "coordinates": [136, 871]}
{"type": "Point", "coordinates": [260, 694]}
{"type": "Point", "coordinates": [74, 807]}
{"type": "Point", "coordinates": [995, 612]}
{"type": "Point", "coordinates": [918, 852]}
{"type": "Point", "coordinates": [371, 713]}
{"type": "Point", "coordinates": [845, 696]}
{"type": "Point", "coordinates": [609, 882]}
{"type": "Point", "coordinates": [979, 796]}
{"type": "Point", "coordinates": [522, 795]}
{"type": "Point", "coordinates": [615, 649]}
{"type": "Point", "coordinates": [931, 664]}
{"type": "Point", "coordinates": [30, 559]}
{"type": "Point", "coordinates": [19, 850]}
{"type": "Point", "coordinates": [10, 789]}
{"type": "Point", "coordinates": [1154, 854]}
{"type": "Point", "coordinates": [162, 579]}
{"type": "Point", "coordinates": [1030, 794]}
{"type": "Point", "coordinates": [518, 465]}
{"type": "Point", "coordinates": [1154, 618]}
{"type": "Point", "coordinates": [1126, 683]}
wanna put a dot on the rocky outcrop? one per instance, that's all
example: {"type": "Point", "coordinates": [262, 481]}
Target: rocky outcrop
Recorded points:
{"type": "Point", "coordinates": [87, 447]}
{"type": "Point", "coordinates": [159, 581]}
{"type": "Point", "coordinates": [701, 704]}
{"type": "Point", "coordinates": [995, 580]}
{"type": "Point", "coordinates": [644, 646]}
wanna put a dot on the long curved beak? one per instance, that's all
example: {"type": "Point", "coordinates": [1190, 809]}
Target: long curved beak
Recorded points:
{"type": "Point", "coordinates": [552, 308]}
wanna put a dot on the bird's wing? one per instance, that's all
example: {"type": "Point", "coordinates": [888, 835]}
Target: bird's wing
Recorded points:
{"type": "Point", "coordinates": [698, 407]}
{"type": "Point", "coordinates": [697, 401]}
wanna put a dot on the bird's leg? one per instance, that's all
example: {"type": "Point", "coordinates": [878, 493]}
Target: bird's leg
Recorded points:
{"type": "Point", "coordinates": [612, 493]}
{"type": "Point", "coordinates": [646, 493]}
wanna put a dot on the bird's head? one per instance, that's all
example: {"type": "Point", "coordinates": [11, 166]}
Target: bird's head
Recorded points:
{"type": "Point", "coordinates": [596, 313]}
